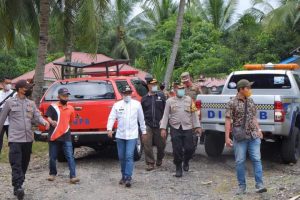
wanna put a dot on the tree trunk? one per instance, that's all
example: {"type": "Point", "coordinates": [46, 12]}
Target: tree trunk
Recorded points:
{"type": "Point", "coordinates": [176, 41]}
{"type": "Point", "coordinates": [42, 51]}
{"type": "Point", "coordinates": [68, 31]}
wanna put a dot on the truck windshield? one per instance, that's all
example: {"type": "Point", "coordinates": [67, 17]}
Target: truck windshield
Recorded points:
{"type": "Point", "coordinates": [262, 81]}
{"type": "Point", "coordinates": [83, 90]}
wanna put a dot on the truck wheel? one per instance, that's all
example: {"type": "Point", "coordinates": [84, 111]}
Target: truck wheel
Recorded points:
{"type": "Point", "coordinates": [290, 147]}
{"type": "Point", "coordinates": [138, 151]}
{"type": "Point", "coordinates": [214, 143]}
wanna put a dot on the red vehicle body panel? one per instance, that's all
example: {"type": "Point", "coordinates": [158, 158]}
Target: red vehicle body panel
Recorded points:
{"type": "Point", "coordinates": [92, 115]}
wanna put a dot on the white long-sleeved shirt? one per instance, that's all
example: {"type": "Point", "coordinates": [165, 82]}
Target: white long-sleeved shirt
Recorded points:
{"type": "Point", "coordinates": [128, 116]}
{"type": "Point", "coordinates": [3, 95]}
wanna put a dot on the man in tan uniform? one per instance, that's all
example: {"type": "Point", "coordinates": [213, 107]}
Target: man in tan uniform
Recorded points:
{"type": "Point", "coordinates": [191, 89]}
{"type": "Point", "coordinates": [181, 113]}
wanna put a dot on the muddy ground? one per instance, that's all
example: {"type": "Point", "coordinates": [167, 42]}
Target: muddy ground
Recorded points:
{"type": "Point", "coordinates": [207, 179]}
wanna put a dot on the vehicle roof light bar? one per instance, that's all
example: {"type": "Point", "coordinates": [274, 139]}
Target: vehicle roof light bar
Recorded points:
{"type": "Point", "coordinates": [292, 66]}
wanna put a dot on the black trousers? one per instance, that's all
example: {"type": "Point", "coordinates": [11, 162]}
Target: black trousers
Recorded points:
{"type": "Point", "coordinates": [19, 157]}
{"type": "Point", "coordinates": [4, 130]}
{"type": "Point", "coordinates": [183, 145]}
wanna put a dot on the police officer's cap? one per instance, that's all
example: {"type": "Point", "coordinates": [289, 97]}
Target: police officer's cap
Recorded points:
{"type": "Point", "coordinates": [153, 81]}
{"type": "Point", "coordinates": [184, 76]}
{"type": "Point", "coordinates": [127, 89]}
{"type": "Point", "coordinates": [244, 83]}
{"type": "Point", "coordinates": [148, 78]}
{"type": "Point", "coordinates": [180, 86]}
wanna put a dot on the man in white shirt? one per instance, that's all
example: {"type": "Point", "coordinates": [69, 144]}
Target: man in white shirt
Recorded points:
{"type": "Point", "coordinates": [129, 114]}
{"type": "Point", "coordinates": [4, 93]}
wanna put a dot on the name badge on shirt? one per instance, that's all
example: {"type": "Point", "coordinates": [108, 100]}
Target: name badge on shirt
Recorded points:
{"type": "Point", "coordinates": [120, 110]}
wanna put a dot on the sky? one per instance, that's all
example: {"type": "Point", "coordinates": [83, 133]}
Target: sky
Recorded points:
{"type": "Point", "coordinates": [242, 6]}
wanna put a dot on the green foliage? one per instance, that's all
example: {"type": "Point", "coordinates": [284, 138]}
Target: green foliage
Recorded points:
{"type": "Point", "coordinates": [8, 66]}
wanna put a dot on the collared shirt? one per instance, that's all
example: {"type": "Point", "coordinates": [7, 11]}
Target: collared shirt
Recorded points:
{"type": "Point", "coordinates": [153, 106]}
{"type": "Point", "coordinates": [21, 114]}
{"type": "Point", "coordinates": [179, 112]}
{"type": "Point", "coordinates": [235, 110]}
{"type": "Point", "coordinates": [128, 115]}
{"type": "Point", "coordinates": [3, 95]}
{"type": "Point", "coordinates": [63, 115]}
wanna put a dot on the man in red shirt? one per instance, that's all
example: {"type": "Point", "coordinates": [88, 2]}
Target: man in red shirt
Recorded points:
{"type": "Point", "coordinates": [60, 116]}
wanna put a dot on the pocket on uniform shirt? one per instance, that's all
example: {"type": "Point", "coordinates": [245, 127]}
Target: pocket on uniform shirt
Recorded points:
{"type": "Point", "coordinates": [187, 107]}
{"type": "Point", "coordinates": [16, 109]}
{"type": "Point", "coordinates": [29, 112]}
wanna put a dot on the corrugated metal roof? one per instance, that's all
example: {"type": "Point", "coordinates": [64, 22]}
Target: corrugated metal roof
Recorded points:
{"type": "Point", "coordinates": [78, 57]}
{"type": "Point", "coordinates": [292, 59]}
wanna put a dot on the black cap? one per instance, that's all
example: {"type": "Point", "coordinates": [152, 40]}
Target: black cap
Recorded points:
{"type": "Point", "coordinates": [23, 84]}
{"type": "Point", "coordinates": [63, 91]}
{"type": "Point", "coordinates": [148, 78]}
{"type": "Point", "coordinates": [127, 89]}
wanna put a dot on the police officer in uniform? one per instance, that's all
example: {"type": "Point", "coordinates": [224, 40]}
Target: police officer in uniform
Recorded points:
{"type": "Point", "coordinates": [181, 114]}
{"type": "Point", "coordinates": [21, 113]}
{"type": "Point", "coordinates": [191, 89]}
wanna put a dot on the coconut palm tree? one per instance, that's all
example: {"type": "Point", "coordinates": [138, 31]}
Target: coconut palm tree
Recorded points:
{"type": "Point", "coordinates": [176, 42]}
{"type": "Point", "coordinates": [78, 20]}
{"type": "Point", "coordinates": [218, 12]}
{"type": "Point", "coordinates": [287, 14]}
{"type": "Point", "coordinates": [18, 19]}
{"type": "Point", "coordinates": [122, 30]}
{"type": "Point", "coordinates": [42, 50]}
{"type": "Point", "coordinates": [155, 12]}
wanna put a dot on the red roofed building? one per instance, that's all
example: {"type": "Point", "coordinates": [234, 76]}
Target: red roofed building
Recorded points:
{"type": "Point", "coordinates": [77, 57]}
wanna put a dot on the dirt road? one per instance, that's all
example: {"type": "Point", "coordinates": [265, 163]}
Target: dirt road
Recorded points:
{"type": "Point", "coordinates": [207, 179]}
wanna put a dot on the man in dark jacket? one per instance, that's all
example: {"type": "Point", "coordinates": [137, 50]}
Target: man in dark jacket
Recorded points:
{"type": "Point", "coordinates": [153, 106]}
{"type": "Point", "coordinates": [21, 112]}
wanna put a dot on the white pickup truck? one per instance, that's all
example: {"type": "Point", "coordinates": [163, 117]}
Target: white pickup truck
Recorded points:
{"type": "Point", "coordinates": [276, 93]}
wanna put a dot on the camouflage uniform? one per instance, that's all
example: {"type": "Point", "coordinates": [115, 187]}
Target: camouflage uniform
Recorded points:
{"type": "Point", "coordinates": [235, 110]}
{"type": "Point", "coordinates": [193, 91]}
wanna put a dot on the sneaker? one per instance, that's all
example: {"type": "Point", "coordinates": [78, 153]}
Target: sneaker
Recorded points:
{"type": "Point", "coordinates": [74, 180]}
{"type": "Point", "coordinates": [19, 193]}
{"type": "Point", "coordinates": [158, 163]}
{"type": "Point", "coordinates": [150, 167]}
{"type": "Point", "coordinates": [122, 181]}
{"type": "Point", "coordinates": [261, 189]}
{"type": "Point", "coordinates": [128, 183]}
{"type": "Point", "coordinates": [51, 178]}
{"type": "Point", "coordinates": [241, 191]}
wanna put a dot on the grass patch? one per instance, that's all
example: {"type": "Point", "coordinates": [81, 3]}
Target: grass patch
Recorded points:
{"type": "Point", "coordinates": [39, 150]}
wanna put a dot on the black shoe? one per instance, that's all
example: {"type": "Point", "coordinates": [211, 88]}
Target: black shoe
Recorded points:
{"type": "Point", "coordinates": [186, 166]}
{"type": "Point", "coordinates": [178, 173]}
{"type": "Point", "coordinates": [122, 181]}
{"type": "Point", "coordinates": [20, 193]}
{"type": "Point", "coordinates": [128, 183]}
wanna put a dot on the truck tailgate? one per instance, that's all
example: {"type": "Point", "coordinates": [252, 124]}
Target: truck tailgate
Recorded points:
{"type": "Point", "coordinates": [213, 108]}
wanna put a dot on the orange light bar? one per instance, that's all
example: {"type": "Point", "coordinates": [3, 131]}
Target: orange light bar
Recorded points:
{"type": "Point", "coordinates": [292, 66]}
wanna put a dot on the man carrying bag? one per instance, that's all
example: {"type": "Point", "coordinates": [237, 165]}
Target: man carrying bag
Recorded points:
{"type": "Point", "coordinates": [241, 120]}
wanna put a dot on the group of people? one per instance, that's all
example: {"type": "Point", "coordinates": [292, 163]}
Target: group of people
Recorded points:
{"type": "Point", "coordinates": [155, 116]}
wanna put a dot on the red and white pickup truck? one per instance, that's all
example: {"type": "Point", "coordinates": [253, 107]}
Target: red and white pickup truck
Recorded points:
{"type": "Point", "coordinates": [93, 97]}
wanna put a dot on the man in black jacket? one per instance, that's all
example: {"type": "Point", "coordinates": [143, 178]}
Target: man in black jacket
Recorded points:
{"type": "Point", "coordinates": [153, 106]}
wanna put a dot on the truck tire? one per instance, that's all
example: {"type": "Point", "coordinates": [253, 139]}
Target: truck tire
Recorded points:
{"type": "Point", "coordinates": [290, 147]}
{"type": "Point", "coordinates": [214, 143]}
{"type": "Point", "coordinates": [138, 151]}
